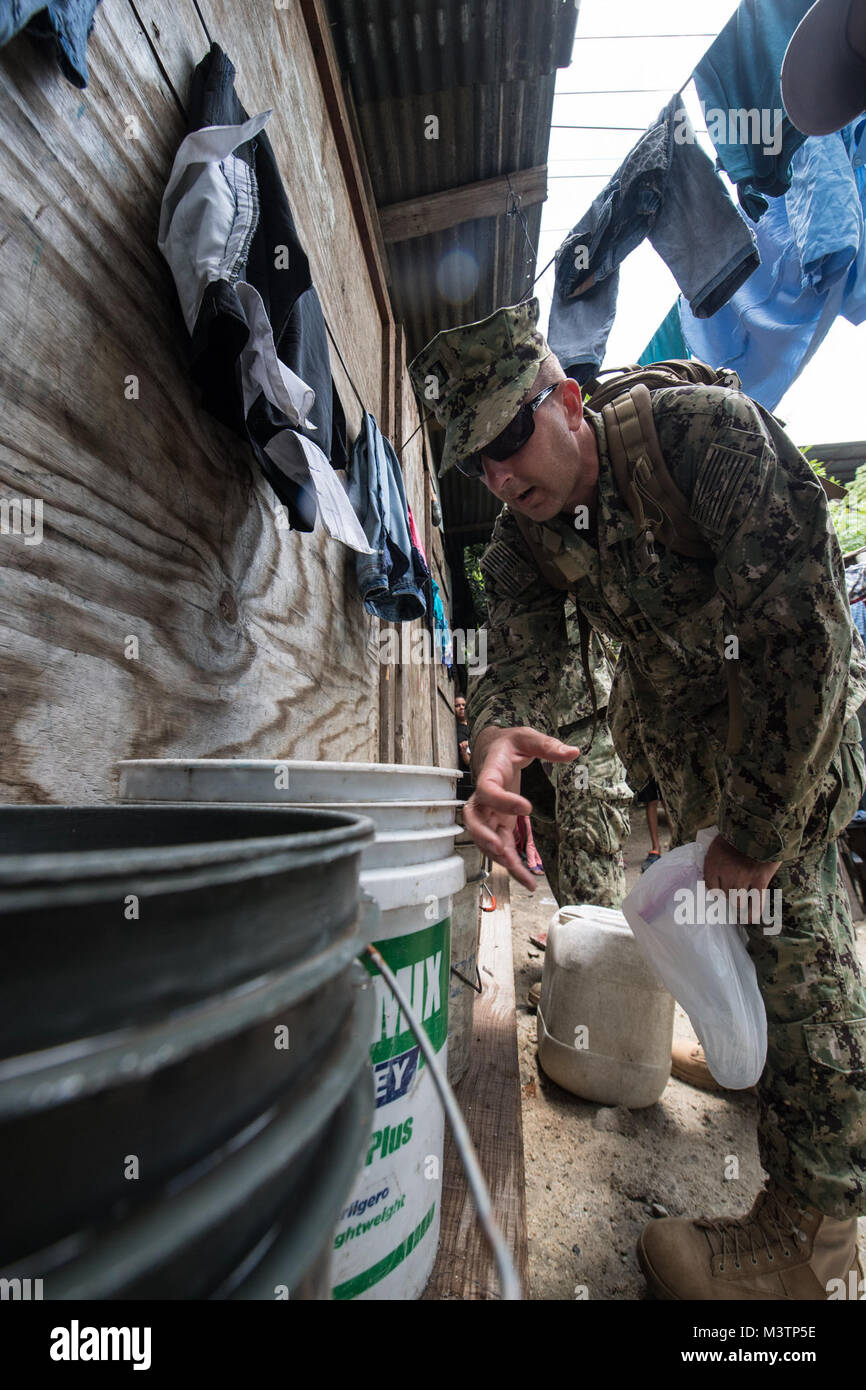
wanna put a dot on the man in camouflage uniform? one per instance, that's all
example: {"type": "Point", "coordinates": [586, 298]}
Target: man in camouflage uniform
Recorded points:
{"type": "Point", "coordinates": [763, 745]}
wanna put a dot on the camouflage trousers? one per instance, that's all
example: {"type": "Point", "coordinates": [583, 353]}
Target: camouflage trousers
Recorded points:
{"type": "Point", "coordinates": [580, 820]}
{"type": "Point", "coordinates": [812, 1094]}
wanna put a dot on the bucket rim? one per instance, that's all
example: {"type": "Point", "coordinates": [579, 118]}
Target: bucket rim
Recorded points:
{"type": "Point", "coordinates": [231, 853]}
{"type": "Point", "coordinates": [153, 1234]}
{"type": "Point", "coordinates": [41, 1079]}
{"type": "Point", "coordinates": [300, 764]}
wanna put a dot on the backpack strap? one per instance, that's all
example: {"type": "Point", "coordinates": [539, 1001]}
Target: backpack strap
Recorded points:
{"type": "Point", "coordinates": [643, 480]}
{"type": "Point", "coordinates": [680, 372]}
{"type": "Point", "coordinates": [676, 372]}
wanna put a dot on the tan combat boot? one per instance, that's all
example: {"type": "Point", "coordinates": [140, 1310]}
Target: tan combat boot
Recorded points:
{"type": "Point", "coordinates": [779, 1251]}
{"type": "Point", "coordinates": [688, 1063]}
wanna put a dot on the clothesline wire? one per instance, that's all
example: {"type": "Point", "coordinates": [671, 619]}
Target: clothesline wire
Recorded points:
{"type": "Point", "coordinates": [345, 368]}
{"type": "Point", "coordinates": [424, 420]}
{"type": "Point", "coordinates": [203, 22]}
{"type": "Point", "coordinates": [641, 128]}
{"type": "Point", "coordinates": [513, 207]}
{"type": "Point", "coordinates": [608, 91]}
{"type": "Point", "coordinates": [596, 38]}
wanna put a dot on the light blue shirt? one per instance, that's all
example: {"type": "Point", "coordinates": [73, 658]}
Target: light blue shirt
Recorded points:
{"type": "Point", "coordinates": [813, 267]}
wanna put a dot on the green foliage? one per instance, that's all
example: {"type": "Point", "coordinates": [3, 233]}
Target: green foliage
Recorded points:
{"type": "Point", "coordinates": [849, 513]}
{"type": "Point", "coordinates": [472, 567]}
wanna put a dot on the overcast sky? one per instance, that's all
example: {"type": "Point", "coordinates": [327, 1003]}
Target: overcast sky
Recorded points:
{"type": "Point", "coordinates": [826, 403]}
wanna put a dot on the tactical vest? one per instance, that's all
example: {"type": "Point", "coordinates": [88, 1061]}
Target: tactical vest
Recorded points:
{"type": "Point", "coordinates": [659, 508]}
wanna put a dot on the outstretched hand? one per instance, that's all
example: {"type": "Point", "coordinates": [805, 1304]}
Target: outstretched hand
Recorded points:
{"type": "Point", "coordinates": [490, 814]}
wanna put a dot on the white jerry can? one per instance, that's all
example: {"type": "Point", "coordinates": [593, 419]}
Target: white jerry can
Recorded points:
{"type": "Point", "coordinates": [605, 1021]}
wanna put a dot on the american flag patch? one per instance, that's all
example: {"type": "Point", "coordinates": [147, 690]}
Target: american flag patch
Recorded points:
{"type": "Point", "coordinates": [724, 471]}
{"type": "Point", "coordinates": [509, 575]}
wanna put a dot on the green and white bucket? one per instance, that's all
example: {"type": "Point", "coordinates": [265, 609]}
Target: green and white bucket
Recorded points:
{"type": "Point", "coordinates": [387, 1235]}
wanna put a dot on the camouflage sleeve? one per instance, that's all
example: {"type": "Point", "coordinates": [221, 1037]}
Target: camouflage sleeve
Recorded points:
{"type": "Point", "coordinates": [797, 675]}
{"type": "Point", "coordinates": [526, 639]}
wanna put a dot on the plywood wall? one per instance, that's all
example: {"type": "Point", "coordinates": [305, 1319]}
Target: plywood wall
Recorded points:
{"type": "Point", "coordinates": [165, 612]}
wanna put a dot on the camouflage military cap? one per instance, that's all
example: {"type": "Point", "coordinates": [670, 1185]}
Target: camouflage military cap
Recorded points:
{"type": "Point", "coordinates": [475, 377]}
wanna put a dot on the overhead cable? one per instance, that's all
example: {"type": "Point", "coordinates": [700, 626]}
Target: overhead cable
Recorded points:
{"type": "Point", "coordinates": [609, 91]}
{"type": "Point", "coordinates": [594, 38]}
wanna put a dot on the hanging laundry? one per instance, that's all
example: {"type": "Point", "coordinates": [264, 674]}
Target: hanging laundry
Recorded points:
{"type": "Point", "coordinates": [392, 575]}
{"type": "Point", "coordinates": [667, 343]}
{"type": "Point", "coordinates": [228, 235]}
{"type": "Point", "coordinates": [667, 190]}
{"type": "Point", "coordinates": [855, 582]}
{"type": "Point", "coordinates": [65, 24]}
{"type": "Point", "coordinates": [813, 268]}
{"type": "Point", "coordinates": [419, 557]}
{"type": "Point", "coordinates": [443, 631]}
{"type": "Point", "coordinates": [414, 537]}
{"type": "Point", "coordinates": [739, 86]}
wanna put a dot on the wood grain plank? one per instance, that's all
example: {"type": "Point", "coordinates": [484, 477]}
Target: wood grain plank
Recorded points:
{"type": "Point", "coordinates": [252, 640]}
{"type": "Point", "coordinates": [435, 212]}
{"type": "Point", "coordinates": [489, 1096]}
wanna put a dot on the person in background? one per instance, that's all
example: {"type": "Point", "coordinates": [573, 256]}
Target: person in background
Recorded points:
{"type": "Point", "coordinates": [649, 797]}
{"type": "Point", "coordinates": [526, 845]}
{"type": "Point", "coordinates": [464, 755]}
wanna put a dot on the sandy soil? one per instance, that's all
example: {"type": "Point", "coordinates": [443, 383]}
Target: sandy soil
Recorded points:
{"type": "Point", "coordinates": [596, 1174]}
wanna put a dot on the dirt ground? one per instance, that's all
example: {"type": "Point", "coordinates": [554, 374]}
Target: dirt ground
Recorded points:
{"type": "Point", "coordinates": [596, 1174]}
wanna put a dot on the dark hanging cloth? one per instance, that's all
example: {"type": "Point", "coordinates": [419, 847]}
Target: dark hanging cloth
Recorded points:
{"type": "Point", "coordinates": [259, 348]}
{"type": "Point", "coordinates": [393, 577]}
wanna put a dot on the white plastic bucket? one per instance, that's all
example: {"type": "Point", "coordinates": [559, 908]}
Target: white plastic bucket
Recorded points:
{"type": "Point", "coordinates": [408, 830]}
{"type": "Point", "coordinates": [281, 780]}
{"type": "Point", "coordinates": [397, 815]}
{"type": "Point", "coordinates": [401, 1180]}
{"type": "Point", "coordinates": [388, 1232]}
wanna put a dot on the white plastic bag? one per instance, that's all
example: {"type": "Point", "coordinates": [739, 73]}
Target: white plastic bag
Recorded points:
{"type": "Point", "coordinates": [706, 967]}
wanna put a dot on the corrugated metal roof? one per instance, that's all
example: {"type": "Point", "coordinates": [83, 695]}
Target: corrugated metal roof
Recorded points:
{"type": "Point", "coordinates": [486, 69]}
{"type": "Point", "coordinates": [842, 460]}
{"type": "Point", "coordinates": [394, 48]}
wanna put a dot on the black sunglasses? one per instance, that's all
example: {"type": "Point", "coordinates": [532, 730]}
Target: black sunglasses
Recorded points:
{"type": "Point", "coordinates": [512, 438]}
